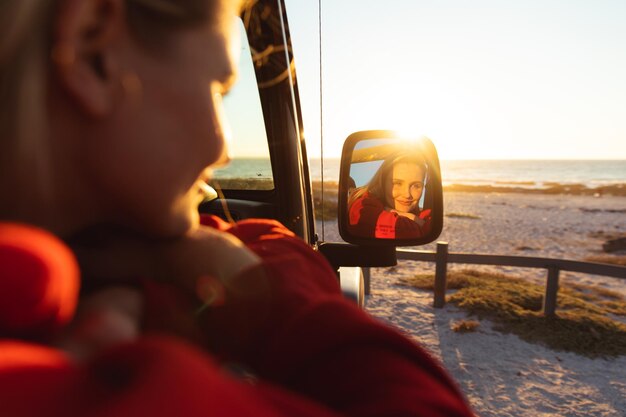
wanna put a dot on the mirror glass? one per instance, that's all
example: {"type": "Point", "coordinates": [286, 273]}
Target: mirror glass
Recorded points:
{"type": "Point", "coordinates": [391, 186]}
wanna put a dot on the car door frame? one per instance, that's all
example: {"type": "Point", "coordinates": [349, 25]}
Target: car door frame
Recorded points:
{"type": "Point", "coordinates": [291, 200]}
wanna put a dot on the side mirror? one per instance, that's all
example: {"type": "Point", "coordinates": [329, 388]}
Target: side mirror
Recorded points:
{"type": "Point", "coordinates": [390, 191]}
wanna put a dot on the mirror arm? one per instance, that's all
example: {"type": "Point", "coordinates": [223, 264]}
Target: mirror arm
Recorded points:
{"type": "Point", "coordinates": [344, 254]}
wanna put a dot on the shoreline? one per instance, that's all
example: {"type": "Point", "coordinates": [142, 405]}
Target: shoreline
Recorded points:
{"type": "Point", "coordinates": [617, 190]}
{"type": "Point", "coordinates": [548, 188]}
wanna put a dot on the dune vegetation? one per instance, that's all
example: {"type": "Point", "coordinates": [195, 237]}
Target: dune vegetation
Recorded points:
{"type": "Point", "coordinates": [589, 319]}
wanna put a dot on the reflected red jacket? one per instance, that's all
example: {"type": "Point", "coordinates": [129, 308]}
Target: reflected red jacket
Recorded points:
{"type": "Point", "coordinates": [313, 352]}
{"type": "Point", "coordinates": [369, 218]}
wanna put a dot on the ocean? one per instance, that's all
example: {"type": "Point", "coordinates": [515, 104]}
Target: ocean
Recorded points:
{"type": "Point", "coordinates": [501, 173]}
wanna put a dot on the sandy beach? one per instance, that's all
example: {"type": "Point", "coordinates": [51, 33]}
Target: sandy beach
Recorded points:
{"type": "Point", "coordinates": [501, 374]}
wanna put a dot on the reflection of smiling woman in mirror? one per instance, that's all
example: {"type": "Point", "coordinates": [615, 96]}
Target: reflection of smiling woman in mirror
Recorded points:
{"type": "Point", "coordinates": [388, 206]}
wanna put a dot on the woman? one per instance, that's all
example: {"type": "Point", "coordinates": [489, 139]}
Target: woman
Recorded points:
{"type": "Point", "coordinates": [388, 206]}
{"type": "Point", "coordinates": [111, 121]}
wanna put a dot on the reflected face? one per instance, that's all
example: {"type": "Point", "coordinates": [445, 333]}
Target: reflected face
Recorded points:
{"type": "Point", "coordinates": [404, 187]}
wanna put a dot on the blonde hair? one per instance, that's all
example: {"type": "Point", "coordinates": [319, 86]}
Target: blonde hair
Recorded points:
{"type": "Point", "coordinates": [25, 53]}
{"type": "Point", "coordinates": [24, 27]}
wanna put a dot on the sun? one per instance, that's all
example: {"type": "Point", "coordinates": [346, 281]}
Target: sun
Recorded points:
{"type": "Point", "coordinates": [445, 117]}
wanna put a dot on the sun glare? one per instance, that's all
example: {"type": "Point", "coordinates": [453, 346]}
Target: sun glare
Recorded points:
{"type": "Point", "coordinates": [443, 116]}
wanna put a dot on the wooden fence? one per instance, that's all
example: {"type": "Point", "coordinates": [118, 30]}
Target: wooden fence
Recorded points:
{"type": "Point", "coordinates": [553, 266]}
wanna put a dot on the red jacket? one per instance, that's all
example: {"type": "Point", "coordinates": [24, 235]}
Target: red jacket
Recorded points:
{"type": "Point", "coordinates": [313, 352]}
{"type": "Point", "coordinates": [369, 218]}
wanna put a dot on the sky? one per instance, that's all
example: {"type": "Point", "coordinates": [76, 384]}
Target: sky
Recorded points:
{"type": "Point", "coordinates": [484, 79]}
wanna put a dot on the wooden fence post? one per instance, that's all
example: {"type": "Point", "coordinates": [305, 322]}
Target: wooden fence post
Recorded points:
{"type": "Point", "coordinates": [552, 288]}
{"type": "Point", "coordinates": [366, 280]}
{"type": "Point", "coordinates": [441, 270]}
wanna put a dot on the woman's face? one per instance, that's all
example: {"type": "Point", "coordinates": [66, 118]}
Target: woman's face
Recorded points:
{"type": "Point", "coordinates": [404, 187]}
{"type": "Point", "coordinates": [147, 162]}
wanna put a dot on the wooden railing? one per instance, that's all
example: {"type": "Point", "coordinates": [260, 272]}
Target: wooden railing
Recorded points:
{"type": "Point", "coordinates": [553, 266]}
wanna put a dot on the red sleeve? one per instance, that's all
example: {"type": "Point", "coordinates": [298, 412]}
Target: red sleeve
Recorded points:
{"type": "Point", "coordinates": [322, 346]}
{"type": "Point", "coordinates": [368, 218]}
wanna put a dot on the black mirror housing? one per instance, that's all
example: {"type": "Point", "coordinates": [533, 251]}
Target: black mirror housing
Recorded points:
{"type": "Point", "coordinates": [390, 190]}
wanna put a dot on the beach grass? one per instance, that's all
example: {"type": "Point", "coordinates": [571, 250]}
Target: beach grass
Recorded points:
{"type": "Point", "coordinates": [585, 321]}
{"type": "Point", "coordinates": [329, 209]}
{"type": "Point", "coordinates": [325, 211]}
{"type": "Point", "coordinates": [465, 326]}
{"type": "Point", "coordinates": [263, 184]}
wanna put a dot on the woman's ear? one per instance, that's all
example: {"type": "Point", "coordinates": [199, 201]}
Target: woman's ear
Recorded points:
{"type": "Point", "coordinates": [85, 38]}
